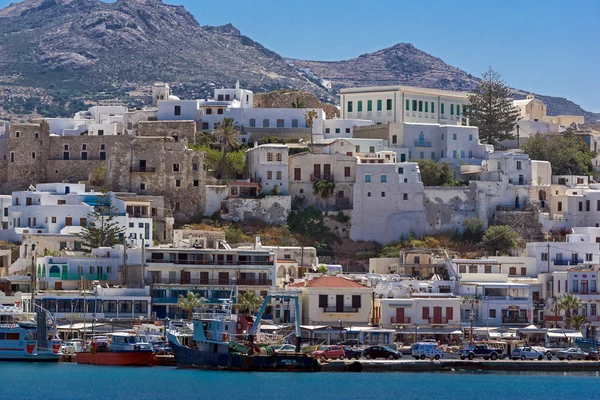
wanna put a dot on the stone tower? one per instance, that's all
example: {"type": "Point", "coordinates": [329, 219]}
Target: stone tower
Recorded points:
{"type": "Point", "coordinates": [160, 91]}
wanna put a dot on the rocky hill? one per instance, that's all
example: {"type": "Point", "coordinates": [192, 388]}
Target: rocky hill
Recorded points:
{"type": "Point", "coordinates": [57, 54]}
{"type": "Point", "coordinates": [288, 98]}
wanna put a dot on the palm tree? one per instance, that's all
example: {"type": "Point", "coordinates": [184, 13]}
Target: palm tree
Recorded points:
{"type": "Point", "coordinates": [571, 305]}
{"type": "Point", "coordinates": [577, 321]}
{"type": "Point", "coordinates": [249, 301]}
{"type": "Point", "coordinates": [190, 303]}
{"type": "Point", "coordinates": [227, 134]}
{"type": "Point", "coordinates": [309, 116]}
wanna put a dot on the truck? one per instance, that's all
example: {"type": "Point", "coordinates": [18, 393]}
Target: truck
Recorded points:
{"type": "Point", "coordinates": [484, 351]}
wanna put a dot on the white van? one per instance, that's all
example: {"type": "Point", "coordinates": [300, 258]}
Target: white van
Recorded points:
{"type": "Point", "coordinates": [423, 350]}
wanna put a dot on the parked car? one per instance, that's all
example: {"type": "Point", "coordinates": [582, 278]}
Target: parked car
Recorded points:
{"type": "Point", "coordinates": [574, 353]}
{"type": "Point", "coordinates": [353, 352]}
{"type": "Point", "coordinates": [423, 350]}
{"type": "Point", "coordinates": [593, 355]}
{"type": "Point", "coordinates": [480, 351]}
{"type": "Point", "coordinates": [526, 353]}
{"type": "Point", "coordinates": [381, 352]}
{"type": "Point", "coordinates": [329, 352]}
{"type": "Point", "coordinates": [351, 342]}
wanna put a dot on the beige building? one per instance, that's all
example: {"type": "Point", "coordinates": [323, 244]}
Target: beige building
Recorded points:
{"type": "Point", "coordinates": [332, 300]}
{"type": "Point", "coordinates": [534, 109]}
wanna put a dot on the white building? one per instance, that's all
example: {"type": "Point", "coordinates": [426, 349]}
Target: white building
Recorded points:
{"type": "Point", "coordinates": [342, 128]}
{"type": "Point", "coordinates": [268, 165]}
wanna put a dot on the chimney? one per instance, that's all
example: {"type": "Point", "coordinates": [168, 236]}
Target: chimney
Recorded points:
{"type": "Point", "coordinates": [257, 244]}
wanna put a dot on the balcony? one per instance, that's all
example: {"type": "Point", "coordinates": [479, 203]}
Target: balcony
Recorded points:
{"type": "Point", "coordinates": [396, 320]}
{"type": "Point", "coordinates": [212, 282]}
{"type": "Point", "coordinates": [567, 262]}
{"type": "Point", "coordinates": [256, 180]}
{"type": "Point", "coordinates": [438, 320]}
{"type": "Point", "coordinates": [210, 262]}
{"type": "Point", "coordinates": [335, 309]}
{"type": "Point", "coordinates": [321, 177]}
{"type": "Point", "coordinates": [142, 169]}
{"type": "Point", "coordinates": [553, 318]}
{"type": "Point", "coordinates": [515, 320]}
{"type": "Point", "coordinates": [422, 143]}
{"type": "Point", "coordinates": [88, 277]}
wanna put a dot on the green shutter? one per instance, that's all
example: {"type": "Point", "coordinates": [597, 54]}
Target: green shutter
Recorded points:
{"type": "Point", "coordinates": [407, 105]}
{"type": "Point", "coordinates": [389, 104]}
{"type": "Point", "coordinates": [349, 106]}
{"type": "Point", "coordinates": [432, 107]}
{"type": "Point", "coordinates": [359, 106]}
{"type": "Point", "coordinates": [442, 108]}
{"type": "Point", "coordinates": [379, 105]}
{"type": "Point", "coordinates": [451, 109]}
{"type": "Point", "coordinates": [458, 109]}
{"type": "Point", "coordinates": [414, 105]}
{"type": "Point", "coordinates": [420, 105]}
{"type": "Point", "coordinates": [426, 106]}
{"type": "Point", "coordinates": [369, 105]}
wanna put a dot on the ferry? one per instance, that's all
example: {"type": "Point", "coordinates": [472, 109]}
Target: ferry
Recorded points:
{"type": "Point", "coordinates": [28, 336]}
{"type": "Point", "coordinates": [214, 345]}
{"type": "Point", "coordinates": [123, 348]}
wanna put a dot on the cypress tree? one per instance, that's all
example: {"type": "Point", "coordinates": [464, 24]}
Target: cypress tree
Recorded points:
{"type": "Point", "coordinates": [102, 229]}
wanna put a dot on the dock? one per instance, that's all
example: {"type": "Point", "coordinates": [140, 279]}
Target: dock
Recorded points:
{"type": "Point", "coordinates": [459, 365]}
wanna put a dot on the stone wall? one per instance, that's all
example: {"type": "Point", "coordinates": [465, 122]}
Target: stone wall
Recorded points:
{"type": "Point", "coordinates": [215, 194]}
{"type": "Point", "coordinates": [271, 209]}
{"type": "Point", "coordinates": [525, 223]}
{"type": "Point", "coordinates": [174, 129]}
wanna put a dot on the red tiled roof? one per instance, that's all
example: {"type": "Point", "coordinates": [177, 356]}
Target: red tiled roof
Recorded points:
{"type": "Point", "coordinates": [329, 282]}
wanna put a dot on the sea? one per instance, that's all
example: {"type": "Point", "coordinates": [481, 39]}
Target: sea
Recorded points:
{"type": "Point", "coordinates": [81, 382]}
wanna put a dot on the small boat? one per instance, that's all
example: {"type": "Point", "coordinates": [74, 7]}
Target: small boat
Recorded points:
{"type": "Point", "coordinates": [214, 345]}
{"type": "Point", "coordinates": [28, 336]}
{"type": "Point", "coordinates": [124, 348]}
{"type": "Point", "coordinates": [587, 345]}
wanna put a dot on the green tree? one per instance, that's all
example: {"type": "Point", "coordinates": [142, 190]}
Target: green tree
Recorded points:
{"type": "Point", "coordinates": [298, 103]}
{"type": "Point", "coordinates": [249, 301]}
{"type": "Point", "coordinates": [309, 117]}
{"type": "Point", "coordinates": [571, 306]}
{"type": "Point", "coordinates": [434, 174]}
{"type": "Point", "coordinates": [578, 321]}
{"type": "Point", "coordinates": [491, 110]}
{"type": "Point", "coordinates": [474, 230]}
{"type": "Point", "coordinates": [190, 302]}
{"type": "Point", "coordinates": [500, 239]}
{"type": "Point", "coordinates": [235, 161]}
{"type": "Point", "coordinates": [567, 153]}
{"type": "Point", "coordinates": [102, 229]}
{"type": "Point", "coordinates": [308, 222]}
{"type": "Point", "coordinates": [226, 134]}
{"type": "Point", "coordinates": [323, 188]}
{"type": "Point", "coordinates": [323, 270]}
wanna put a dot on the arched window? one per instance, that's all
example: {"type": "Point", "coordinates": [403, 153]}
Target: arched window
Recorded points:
{"type": "Point", "coordinates": [54, 271]}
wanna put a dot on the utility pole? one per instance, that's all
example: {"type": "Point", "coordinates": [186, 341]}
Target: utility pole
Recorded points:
{"type": "Point", "coordinates": [471, 318]}
{"type": "Point", "coordinates": [142, 263]}
{"type": "Point", "coordinates": [33, 282]}
{"type": "Point", "coordinates": [124, 259]}
{"type": "Point", "coordinates": [548, 259]}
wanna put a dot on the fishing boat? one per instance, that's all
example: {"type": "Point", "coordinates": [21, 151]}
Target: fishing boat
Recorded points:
{"type": "Point", "coordinates": [587, 345]}
{"type": "Point", "coordinates": [123, 348]}
{"type": "Point", "coordinates": [214, 344]}
{"type": "Point", "coordinates": [28, 336]}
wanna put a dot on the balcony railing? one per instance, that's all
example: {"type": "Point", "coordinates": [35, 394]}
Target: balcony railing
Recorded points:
{"type": "Point", "coordinates": [396, 320]}
{"type": "Point", "coordinates": [514, 320]}
{"type": "Point", "coordinates": [335, 309]}
{"type": "Point", "coordinates": [321, 177]}
{"type": "Point", "coordinates": [422, 143]}
{"type": "Point", "coordinates": [212, 282]}
{"type": "Point", "coordinates": [256, 180]}
{"type": "Point", "coordinates": [209, 262]}
{"type": "Point", "coordinates": [567, 262]}
{"type": "Point", "coordinates": [553, 318]}
{"type": "Point", "coordinates": [142, 169]}
{"type": "Point", "coordinates": [438, 321]}
{"type": "Point", "coordinates": [88, 277]}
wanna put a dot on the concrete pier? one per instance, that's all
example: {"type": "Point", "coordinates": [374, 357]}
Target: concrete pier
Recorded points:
{"type": "Point", "coordinates": [458, 365]}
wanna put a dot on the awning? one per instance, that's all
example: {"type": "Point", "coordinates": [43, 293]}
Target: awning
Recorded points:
{"type": "Point", "coordinates": [556, 335]}
{"type": "Point", "coordinates": [573, 335]}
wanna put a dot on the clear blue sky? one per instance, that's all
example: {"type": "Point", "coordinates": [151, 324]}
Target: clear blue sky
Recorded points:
{"type": "Point", "coordinates": [545, 46]}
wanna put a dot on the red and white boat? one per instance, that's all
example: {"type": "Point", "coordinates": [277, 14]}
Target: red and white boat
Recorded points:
{"type": "Point", "coordinates": [124, 348]}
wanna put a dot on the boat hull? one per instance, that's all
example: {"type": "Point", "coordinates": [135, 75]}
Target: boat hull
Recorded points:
{"type": "Point", "coordinates": [30, 358]}
{"type": "Point", "coordinates": [135, 358]}
{"type": "Point", "coordinates": [192, 358]}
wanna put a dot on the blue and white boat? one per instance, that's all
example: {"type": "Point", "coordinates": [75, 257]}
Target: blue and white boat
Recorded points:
{"type": "Point", "coordinates": [587, 345]}
{"type": "Point", "coordinates": [28, 336]}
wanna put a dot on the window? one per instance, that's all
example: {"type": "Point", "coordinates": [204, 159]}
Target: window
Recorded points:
{"type": "Point", "coordinates": [279, 156]}
{"type": "Point", "coordinates": [512, 271]}
{"type": "Point", "coordinates": [407, 105]}
{"type": "Point", "coordinates": [66, 147]}
{"type": "Point", "coordinates": [405, 196]}
{"type": "Point", "coordinates": [420, 105]}
{"type": "Point", "coordinates": [369, 105]}
{"type": "Point", "coordinates": [33, 155]}
{"type": "Point", "coordinates": [346, 172]}
{"type": "Point", "coordinates": [194, 166]}
{"type": "Point", "coordinates": [575, 286]}
{"type": "Point", "coordinates": [265, 123]}
{"type": "Point", "coordinates": [269, 174]}
{"type": "Point", "coordinates": [470, 153]}
{"type": "Point", "coordinates": [379, 105]}
{"type": "Point", "coordinates": [278, 175]}
{"type": "Point", "coordinates": [347, 130]}
{"type": "Point", "coordinates": [471, 139]}
{"type": "Point", "coordinates": [518, 164]}
{"type": "Point", "coordinates": [177, 206]}
{"type": "Point", "coordinates": [593, 286]}
{"type": "Point", "coordinates": [175, 167]}
{"type": "Point", "coordinates": [371, 149]}
{"type": "Point", "coordinates": [349, 106]}
{"type": "Point", "coordinates": [368, 194]}
{"type": "Point", "coordinates": [269, 156]}
{"type": "Point", "coordinates": [53, 220]}
{"type": "Point", "coordinates": [12, 156]}
{"type": "Point", "coordinates": [206, 126]}
{"type": "Point", "coordinates": [454, 136]}
{"type": "Point", "coordinates": [294, 123]}
{"type": "Point", "coordinates": [388, 104]}
{"type": "Point", "coordinates": [400, 170]}
{"type": "Point", "coordinates": [177, 182]}
{"type": "Point", "coordinates": [356, 301]}
{"type": "Point", "coordinates": [394, 139]}
{"type": "Point", "coordinates": [544, 256]}
{"type": "Point", "coordinates": [422, 155]}
{"type": "Point", "coordinates": [103, 155]}
{"type": "Point", "coordinates": [581, 206]}
{"type": "Point", "coordinates": [280, 123]}
{"type": "Point", "coordinates": [84, 155]}
{"type": "Point", "coordinates": [297, 174]}
{"type": "Point", "coordinates": [219, 111]}
{"type": "Point", "coordinates": [441, 108]}
{"type": "Point", "coordinates": [559, 206]}
{"type": "Point", "coordinates": [587, 205]}
{"type": "Point", "coordinates": [425, 313]}
{"type": "Point", "coordinates": [383, 178]}
{"type": "Point", "coordinates": [367, 177]}
{"type": "Point", "coordinates": [359, 106]}
{"type": "Point", "coordinates": [382, 194]}
{"type": "Point", "coordinates": [451, 109]}
{"type": "Point", "coordinates": [177, 110]}
{"type": "Point", "coordinates": [196, 182]}
{"type": "Point", "coordinates": [432, 109]}
{"type": "Point", "coordinates": [593, 308]}
{"type": "Point", "coordinates": [17, 133]}
{"type": "Point", "coordinates": [414, 105]}
{"type": "Point", "coordinates": [588, 256]}
{"type": "Point", "coordinates": [337, 130]}
{"type": "Point", "coordinates": [252, 123]}
{"type": "Point", "coordinates": [327, 130]}
{"type": "Point", "coordinates": [523, 271]}
{"type": "Point", "coordinates": [457, 109]}
{"type": "Point", "coordinates": [142, 186]}
{"type": "Point", "coordinates": [323, 301]}
{"type": "Point", "coordinates": [488, 269]}
{"type": "Point", "coordinates": [100, 132]}
{"type": "Point", "coordinates": [492, 313]}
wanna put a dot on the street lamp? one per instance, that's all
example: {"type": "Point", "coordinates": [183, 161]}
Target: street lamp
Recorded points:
{"type": "Point", "coordinates": [416, 332]}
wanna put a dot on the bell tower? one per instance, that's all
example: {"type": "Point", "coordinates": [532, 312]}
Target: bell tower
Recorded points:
{"type": "Point", "coordinates": [160, 91]}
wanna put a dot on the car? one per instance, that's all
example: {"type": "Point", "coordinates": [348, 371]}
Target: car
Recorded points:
{"type": "Point", "coordinates": [593, 355]}
{"type": "Point", "coordinates": [353, 352]}
{"type": "Point", "coordinates": [372, 352]}
{"type": "Point", "coordinates": [426, 349]}
{"type": "Point", "coordinates": [574, 353]}
{"type": "Point", "coordinates": [480, 351]}
{"type": "Point", "coordinates": [526, 353]}
{"type": "Point", "coordinates": [286, 348]}
{"type": "Point", "coordinates": [351, 342]}
{"type": "Point", "coordinates": [333, 352]}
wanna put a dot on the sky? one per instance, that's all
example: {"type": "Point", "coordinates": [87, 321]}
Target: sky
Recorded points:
{"type": "Point", "coordinates": [549, 47]}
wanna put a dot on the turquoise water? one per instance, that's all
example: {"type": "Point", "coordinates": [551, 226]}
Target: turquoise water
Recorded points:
{"type": "Point", "coordinates": [72, 381]}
